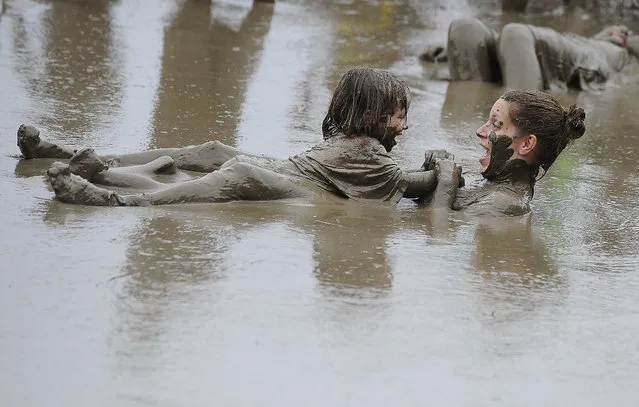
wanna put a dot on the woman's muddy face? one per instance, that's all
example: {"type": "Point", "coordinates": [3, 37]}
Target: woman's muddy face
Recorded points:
{"type": "Point", "coordinates": [499, 124]}
{"type": "Point", "coordinates": [395, 127]}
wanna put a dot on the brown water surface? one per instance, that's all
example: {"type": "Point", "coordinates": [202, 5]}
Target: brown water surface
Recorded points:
{"type": "Point", "coordinates": [284, 304]}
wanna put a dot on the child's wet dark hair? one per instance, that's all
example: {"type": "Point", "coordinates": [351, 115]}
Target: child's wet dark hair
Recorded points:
{"type": "Point", "coordinates": [363, 102]}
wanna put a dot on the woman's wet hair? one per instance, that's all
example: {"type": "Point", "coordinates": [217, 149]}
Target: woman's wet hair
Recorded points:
{"type": "Point", "coordinates": [363, 102]}
{"type": "Point", "coordinates": [539, 113]}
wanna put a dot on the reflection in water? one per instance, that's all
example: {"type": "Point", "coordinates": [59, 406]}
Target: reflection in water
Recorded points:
{"type": "Point", "coordinates": [507, 252]}
{"type": "Point", "coordinates": [206, 66]}
{"type": "Point", "coordinates": [168, 257]}
{"type": "Point", "coordinates": [74, 77]}
{"type": "Point", "coordinates": [518, 284]}
{"type": "Point", "coordinates": [350, 251]}
{"type": "Point", "coordinates": [191, 244]}
{"type": "Point", "coordinates": [188, 260]}
{"type": "Point", "coordinates": [165, 249]}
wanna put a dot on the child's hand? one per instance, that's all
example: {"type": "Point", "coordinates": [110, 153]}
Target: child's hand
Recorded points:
{"type": "Point", "coordinates": [432, 156]}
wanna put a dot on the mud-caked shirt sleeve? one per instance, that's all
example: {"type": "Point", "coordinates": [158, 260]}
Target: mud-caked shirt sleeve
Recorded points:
{"type": "Point", "coordinates": [356, 167]}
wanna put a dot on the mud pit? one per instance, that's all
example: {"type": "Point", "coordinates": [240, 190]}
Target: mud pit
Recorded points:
{"type": "Point", "coordinates": [299, 304]}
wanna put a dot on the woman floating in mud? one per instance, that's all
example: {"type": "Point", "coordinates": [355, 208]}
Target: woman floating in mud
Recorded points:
{"type": "Point", "coordinates": [366, 114]}
{"type": "Point", "coordinates": [526, 132]}
{"type": "Point", "coordinates": [529, 57]}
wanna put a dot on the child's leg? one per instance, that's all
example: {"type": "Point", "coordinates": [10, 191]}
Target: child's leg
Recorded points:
{"type": "Point", "coordinates": [241, 181]}
{"type": "Point", "coordinates": [89, 166]}
{"type": "Point", "coordinates": [205, 157]}
{"type": "Point", "coordinates": [31, 146]}
{"type": "Point", "coordinates": [472, 51]}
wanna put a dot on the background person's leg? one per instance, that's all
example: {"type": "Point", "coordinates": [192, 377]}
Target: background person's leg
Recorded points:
{"type": "Point", "coordinates": [518, 59]}
{"type": "Point", "coordinates": [472, 51]}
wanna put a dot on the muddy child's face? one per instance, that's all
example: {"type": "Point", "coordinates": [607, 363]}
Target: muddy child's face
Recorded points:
{"type": "Point", "coordinates": [499, 126]}
{"type": "Point", "coordinates": [395, 127]}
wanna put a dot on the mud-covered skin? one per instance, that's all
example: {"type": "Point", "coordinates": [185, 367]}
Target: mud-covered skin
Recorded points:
{"type": "Point", "coordinates": [74, 189]}
{"type": "Point", "coordinates": [449, 176]}
{"type": "Point", "coordinates": [495, 199]}
{"type": "Point", "coordinates": [508, 187]}
{"type": "Point", "coordinates": [472, 51]}
{"type": "Point", "coordinates": [86, 164]}
{"type": "Point", "coordinates": [530, 57]}
{"type": "Point", "coordinates": [240, 181]}
{"type": "Point", "coordinates": [205, 157]}
{"type": "Point", "coordinates": [431, 157]}
{"type": "Point", "coordinates": [354, 167]}
{"type": "Point", "coordinates": [502, 168]}
{"type": "Point", "coordinates": [32, 146]}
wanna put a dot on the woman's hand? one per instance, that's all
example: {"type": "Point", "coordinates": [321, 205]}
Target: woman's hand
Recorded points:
{"type": "Point", "coordinates": [449, 178]}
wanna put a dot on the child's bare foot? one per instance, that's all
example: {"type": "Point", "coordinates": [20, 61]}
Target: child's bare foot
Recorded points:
{"type": "Point", "coordinates": [86, 163]}
{"type": "Point", "coordinates": [32, 146]}
{"type": "Point", "coordinates": [28, 140]}
{"type": "Point", "coordinates": [73, 189]}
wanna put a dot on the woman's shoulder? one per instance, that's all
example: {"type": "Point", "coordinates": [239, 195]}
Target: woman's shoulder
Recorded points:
{"type": "Point", "coordinates": [492, 200]}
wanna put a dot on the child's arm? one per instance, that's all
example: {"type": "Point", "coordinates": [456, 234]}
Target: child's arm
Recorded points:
{"type": "Point", "coordinates": [420, 183]}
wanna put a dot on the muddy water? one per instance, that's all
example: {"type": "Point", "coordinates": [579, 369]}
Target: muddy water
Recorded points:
{"type": "Point", "coordinates": [282, 304]}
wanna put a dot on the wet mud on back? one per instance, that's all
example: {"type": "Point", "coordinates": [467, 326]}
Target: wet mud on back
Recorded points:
{"type": "Point", "coordinates": [291, 303]}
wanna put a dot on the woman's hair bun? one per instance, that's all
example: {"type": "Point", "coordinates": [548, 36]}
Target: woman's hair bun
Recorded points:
{"type": "Point", "coordinates": [575, 126]}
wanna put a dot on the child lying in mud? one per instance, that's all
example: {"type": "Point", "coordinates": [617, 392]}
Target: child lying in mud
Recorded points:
{"type": "Point", "coordinates": [367, 112]}
{"type": "Point", "coordinates": [526, 132]}
{"type": "Point", "coordinates": [524, 56]}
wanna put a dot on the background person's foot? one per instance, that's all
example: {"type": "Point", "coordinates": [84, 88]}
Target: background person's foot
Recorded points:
{"type": "Point", "coordinates": [86, 163]}
{"type": "Point", "coordinates": [28, 140]}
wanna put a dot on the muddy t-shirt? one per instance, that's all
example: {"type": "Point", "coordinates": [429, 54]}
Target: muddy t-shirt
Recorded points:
{"type": "Point", "coordinates": [357, 167]}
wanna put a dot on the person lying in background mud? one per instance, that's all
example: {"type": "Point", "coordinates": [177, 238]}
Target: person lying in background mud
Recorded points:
{"type": "Point", "coordinates": [529, 57]}
{"type": "Point", "coordinates": [525, 132]}
{"type": "Point", "coordinates": [367, 112]}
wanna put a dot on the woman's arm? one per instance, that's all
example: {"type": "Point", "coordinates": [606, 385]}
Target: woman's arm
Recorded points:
{"type": "Point", "coordinates": [449, 178]}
